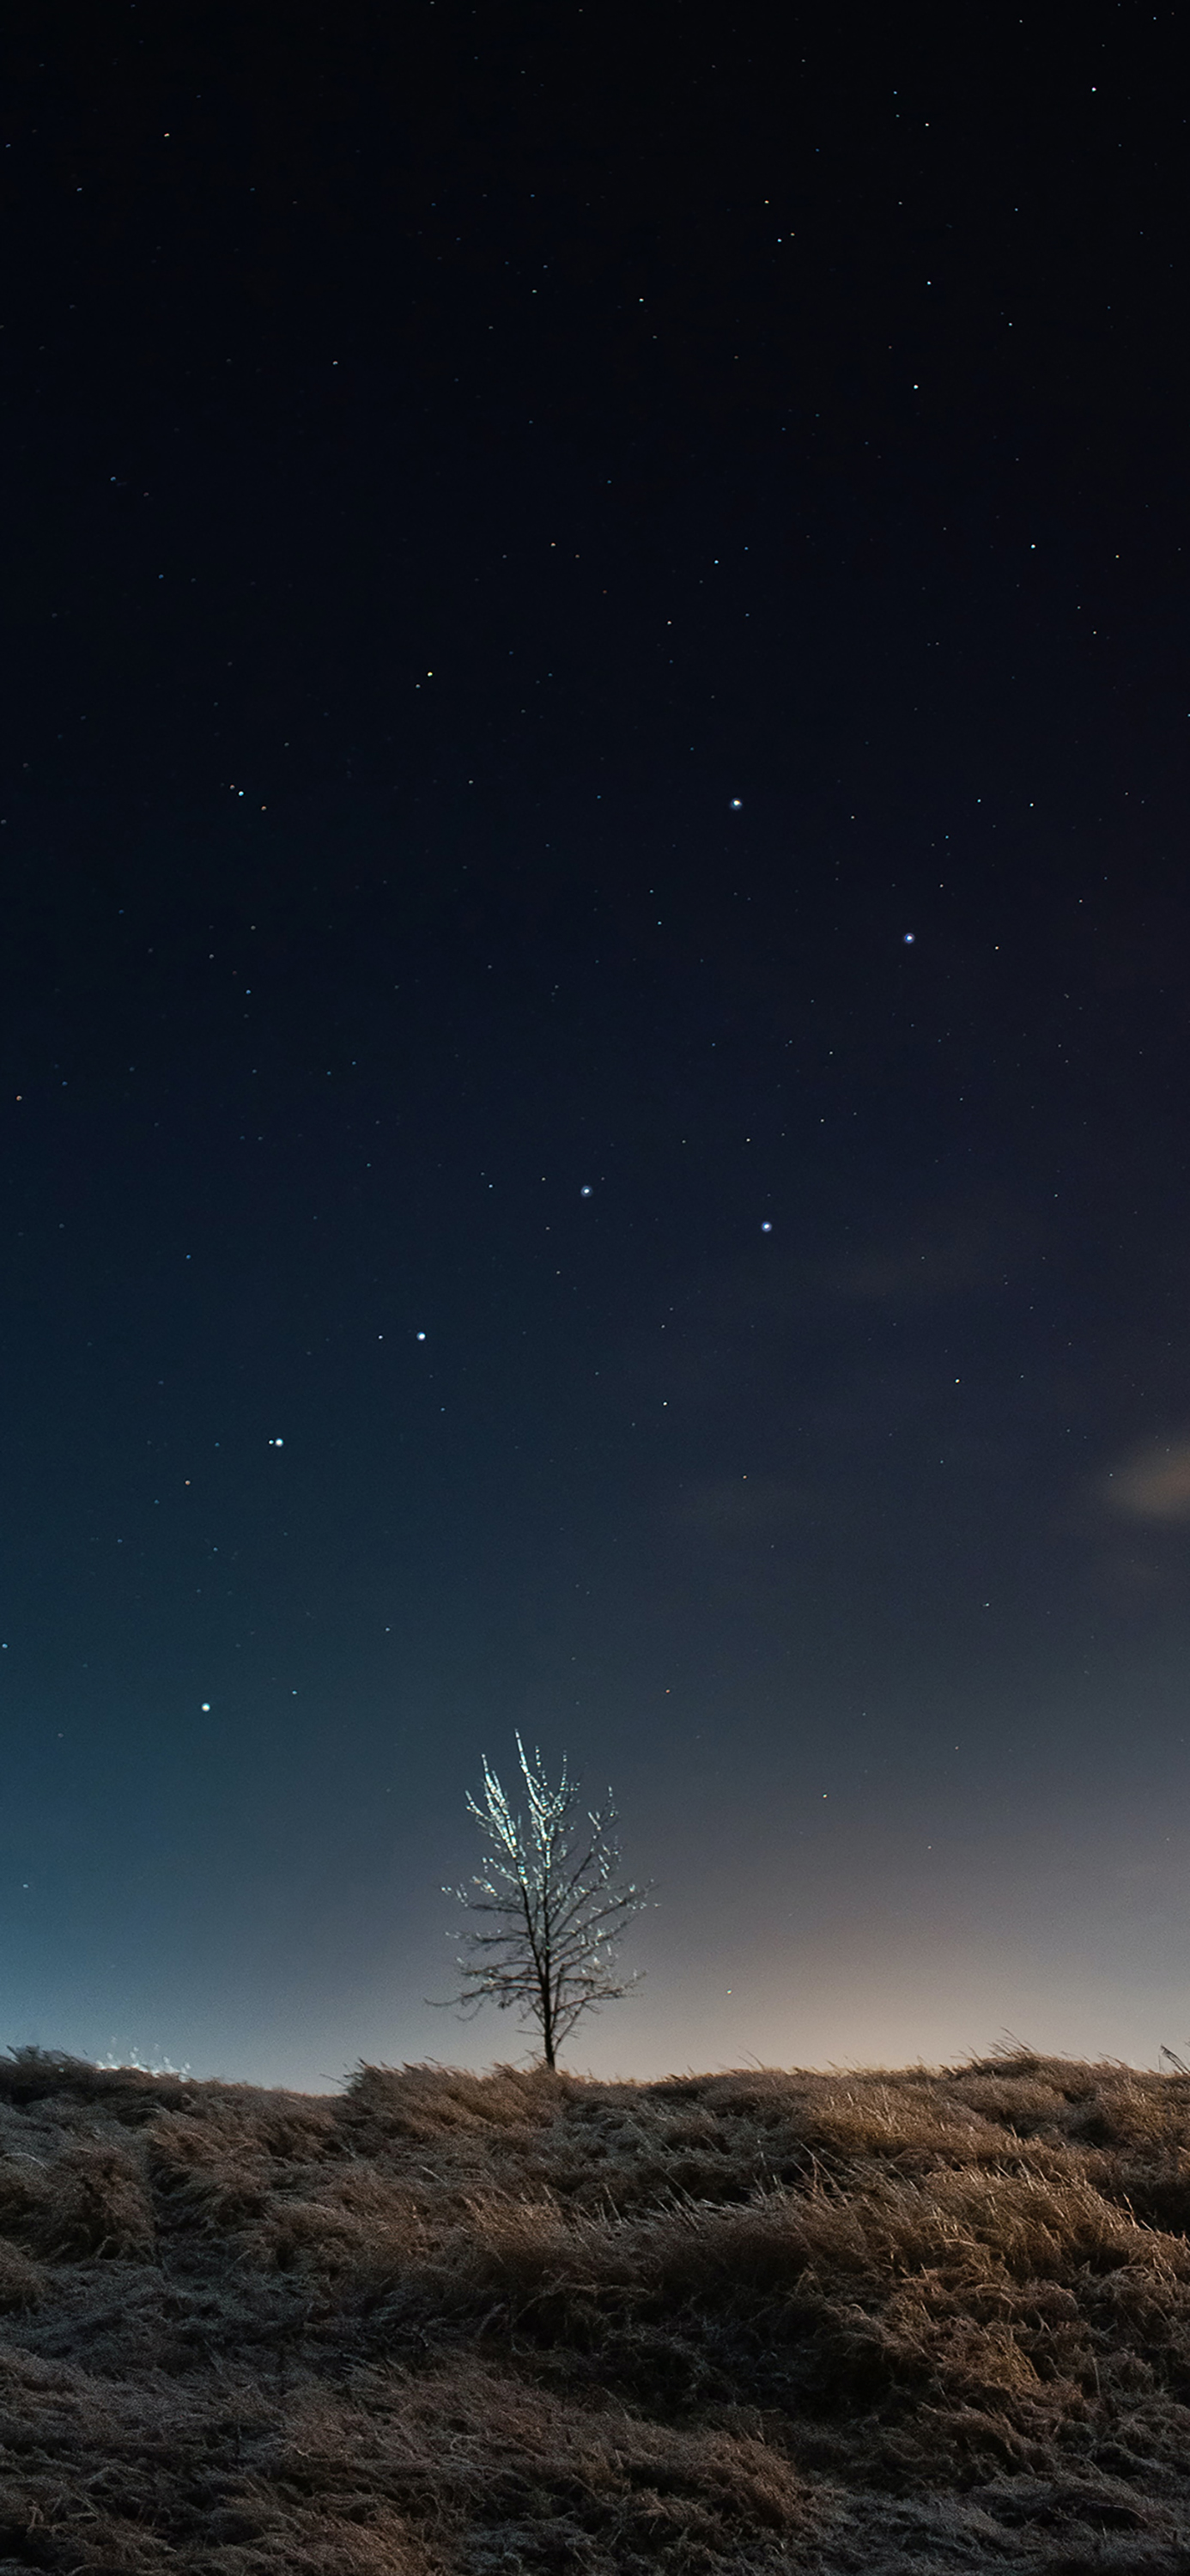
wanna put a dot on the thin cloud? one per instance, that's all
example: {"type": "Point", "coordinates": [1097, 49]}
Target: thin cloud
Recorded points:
{"type": "Point", "coordinates": [1153, 1484]}
{"type": "Point", "coordinates": [945, 1252]}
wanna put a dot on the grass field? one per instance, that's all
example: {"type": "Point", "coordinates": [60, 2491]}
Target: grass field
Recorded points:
{"type": "Point", "coordinates": [523, 2322]}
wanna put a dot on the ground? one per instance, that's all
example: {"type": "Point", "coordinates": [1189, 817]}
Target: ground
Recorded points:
{"type": "Point", "coordinates": [456, 2325]}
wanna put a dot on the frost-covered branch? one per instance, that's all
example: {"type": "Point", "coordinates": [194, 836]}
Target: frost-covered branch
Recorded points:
{"type": "Point", "coordinates": [550, 1906]}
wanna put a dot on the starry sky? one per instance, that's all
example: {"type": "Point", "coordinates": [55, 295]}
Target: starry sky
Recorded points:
{"type": "Point", "coordinates": [594, 1038]}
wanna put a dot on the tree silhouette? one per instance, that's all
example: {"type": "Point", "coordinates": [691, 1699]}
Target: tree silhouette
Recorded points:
{"type": "Point", "coordinates": [552, 1906]}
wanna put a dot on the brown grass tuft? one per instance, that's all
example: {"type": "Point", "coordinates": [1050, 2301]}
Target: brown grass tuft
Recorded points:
{"type": "Point", "coordinates": [22, 2283]}
{"type": "Point", "coordinates": [421, 2103]}
{"type": "Point", "coordinates": [87, 2203]}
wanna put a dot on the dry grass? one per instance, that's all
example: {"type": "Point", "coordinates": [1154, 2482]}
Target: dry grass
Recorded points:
{"type": "Point", "coordinates": [451, 2325]}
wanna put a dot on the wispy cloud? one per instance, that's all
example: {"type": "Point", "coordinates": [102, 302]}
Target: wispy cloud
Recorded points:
{"type": "Point", "coordinates": [1153, 1484]}
{"type": "Point", "coordinates": [940, 1253]}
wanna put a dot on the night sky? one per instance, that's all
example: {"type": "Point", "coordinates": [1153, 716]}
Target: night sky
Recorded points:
{"type": "Point", "coordinates": [596, 978]}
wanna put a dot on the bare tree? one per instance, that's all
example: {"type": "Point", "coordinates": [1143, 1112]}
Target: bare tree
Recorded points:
{"type": "Point", "coordinates": [552, 1906]}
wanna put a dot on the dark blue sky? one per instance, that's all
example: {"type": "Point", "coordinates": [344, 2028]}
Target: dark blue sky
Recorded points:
{"type": "Point", "coordinates": [596, 963]}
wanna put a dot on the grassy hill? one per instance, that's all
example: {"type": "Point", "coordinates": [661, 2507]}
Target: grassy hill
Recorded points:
{"type": "Point", "coordinates": [524, 2322]}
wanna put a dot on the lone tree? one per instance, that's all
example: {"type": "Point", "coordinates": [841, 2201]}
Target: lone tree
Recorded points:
{"type": "Point", "coordinates": [552, 1906]}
